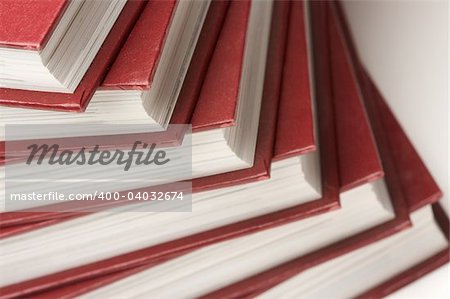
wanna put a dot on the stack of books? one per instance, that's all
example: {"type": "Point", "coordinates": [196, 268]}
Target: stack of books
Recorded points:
{"type": "Point", "coordinates": [287, 172]}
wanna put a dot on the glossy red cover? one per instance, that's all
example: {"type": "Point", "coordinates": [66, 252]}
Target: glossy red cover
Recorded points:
{"type": "Point", "coordinates": [404, 173]}
{"type": "Point", "coordinates": [78, 100]}
{"type": "Point", "coordinates": [28, 24]}
{"type": "Point", "coordinates": [136, 63]}
{"type": "Point", "coordinates": [216, 106]}
{"type": "Point", "coordinates": [159, 253]}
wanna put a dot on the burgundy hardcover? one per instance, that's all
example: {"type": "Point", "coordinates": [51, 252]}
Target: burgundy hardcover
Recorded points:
{"type": "Point", "coordinates": [28, 24]}
{"type": "Point", "coordinates": [78, 100]}
{"type": "Point", "coordinates": [206, 45]}
{"type": "Point", "coordinates": [351, 118]}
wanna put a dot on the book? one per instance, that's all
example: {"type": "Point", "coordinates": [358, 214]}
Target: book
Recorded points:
{"type": "Point", "coordinates": [93, 76]}
{"type": "Point", "coordinates": [158, 253]}
{"type": "Point", "coordinates": [133, 83]}
{"type": "Point", "coordinates": [185, 104]}
{"type": "Point", "coordinates": [157, 63]}
{"type": "Point", "coordinates": [162, 24]}
{"type": "Point", "coordinates": [49, 45]}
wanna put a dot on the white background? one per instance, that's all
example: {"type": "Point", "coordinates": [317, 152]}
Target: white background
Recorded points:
{"type": "Point", "coordinates": [404, 46]}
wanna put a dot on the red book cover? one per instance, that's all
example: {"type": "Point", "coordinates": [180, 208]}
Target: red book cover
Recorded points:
{"type": "Point", "coordinates": [295, 125]}
{"type": "Point", "coordinates": [93, 77]}
{"type": "Point", "coordinates": [206, 44]}
{"type": "Point", "coordinates": [137, 61]}
{"type": "Point", "coordinates": [353, 126]}
{"type": "Point", "coordinates": [223, 78]}
{"type": "Point", "coordinates": [28, 24]}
